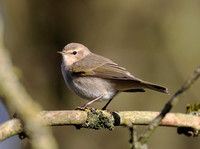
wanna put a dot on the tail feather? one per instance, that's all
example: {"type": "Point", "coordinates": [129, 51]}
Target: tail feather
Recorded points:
{"type": "Point", "coordinates": [156, 87]}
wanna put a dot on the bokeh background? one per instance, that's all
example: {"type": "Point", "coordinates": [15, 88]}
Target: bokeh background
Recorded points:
{"type": "Point", "coordinates": [158, 41]}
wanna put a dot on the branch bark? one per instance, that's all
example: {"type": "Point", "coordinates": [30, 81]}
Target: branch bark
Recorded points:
{"type": "Point", "coordinates": [75, 117]}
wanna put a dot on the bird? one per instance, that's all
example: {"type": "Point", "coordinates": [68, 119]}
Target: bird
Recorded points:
{"type": "Point", "coordinates": [97, 78]}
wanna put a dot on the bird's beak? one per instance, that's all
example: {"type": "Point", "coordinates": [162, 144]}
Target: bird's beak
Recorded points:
{"type": "Point", "coordinates": [61, 52]}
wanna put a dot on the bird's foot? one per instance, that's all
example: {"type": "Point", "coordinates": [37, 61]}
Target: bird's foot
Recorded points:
{"type": "Point", "coordinates": [85, 108]}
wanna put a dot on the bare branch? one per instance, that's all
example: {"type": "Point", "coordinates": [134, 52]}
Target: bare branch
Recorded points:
{"type": "Point", "coordinates": [10, 128]}
{"type": "Point", "coordinates": [18, 99]}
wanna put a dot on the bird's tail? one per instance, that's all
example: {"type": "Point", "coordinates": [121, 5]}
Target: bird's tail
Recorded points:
{"type": "Point", "coordinates": [155, 87]}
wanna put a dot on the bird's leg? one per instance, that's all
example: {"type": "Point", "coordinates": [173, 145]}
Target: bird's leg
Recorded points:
{"type": "Point", "coordinates": [107, 104]}
{"type": "Point", "coordinates": [93, 100]}
{"type": "Point", "coordinates": [85, 105]}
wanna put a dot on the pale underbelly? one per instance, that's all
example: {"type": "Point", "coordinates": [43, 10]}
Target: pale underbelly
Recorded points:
{"type": "Point", "coordinates": [90, 88]}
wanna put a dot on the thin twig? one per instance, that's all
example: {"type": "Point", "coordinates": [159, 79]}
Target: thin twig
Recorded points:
{"type": "Point", "coordinates": [172, 102]}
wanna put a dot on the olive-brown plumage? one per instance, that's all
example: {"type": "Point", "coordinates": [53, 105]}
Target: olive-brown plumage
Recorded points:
{"type": "Point", "coordinates": [94, 77]}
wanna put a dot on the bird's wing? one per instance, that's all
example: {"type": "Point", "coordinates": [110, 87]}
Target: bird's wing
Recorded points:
{"type": "Point", "coordinates": [97, 66]}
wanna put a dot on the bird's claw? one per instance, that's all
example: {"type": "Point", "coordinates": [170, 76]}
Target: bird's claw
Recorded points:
{"type": "Point", "coordinates": [84, 108]}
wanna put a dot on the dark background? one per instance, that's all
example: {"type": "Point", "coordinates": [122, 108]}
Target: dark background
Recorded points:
{"type": "Point", "coordinates": [158, 41]}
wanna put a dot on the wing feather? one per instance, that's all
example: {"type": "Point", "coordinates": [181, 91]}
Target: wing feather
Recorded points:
{"type": "Point", "coordinates": [98, 66]}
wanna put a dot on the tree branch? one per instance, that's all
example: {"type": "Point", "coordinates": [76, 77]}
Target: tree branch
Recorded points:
{"type": "Point", "coordinates": [80, 118]}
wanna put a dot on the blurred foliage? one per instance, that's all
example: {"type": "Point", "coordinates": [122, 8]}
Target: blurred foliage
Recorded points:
{"type": "Point", "coordinates": [158, 41]}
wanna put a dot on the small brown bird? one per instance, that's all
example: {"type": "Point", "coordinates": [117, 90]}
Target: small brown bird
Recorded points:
{"type": "Point", "coordinates": [94, 77]}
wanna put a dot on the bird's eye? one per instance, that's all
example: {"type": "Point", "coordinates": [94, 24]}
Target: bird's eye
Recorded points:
{"type": "Point", "coordinates": [74, 52]}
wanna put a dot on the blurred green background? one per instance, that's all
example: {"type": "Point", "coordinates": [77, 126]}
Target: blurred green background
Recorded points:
{"type": "Point", "coordinates": [158, 41]}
